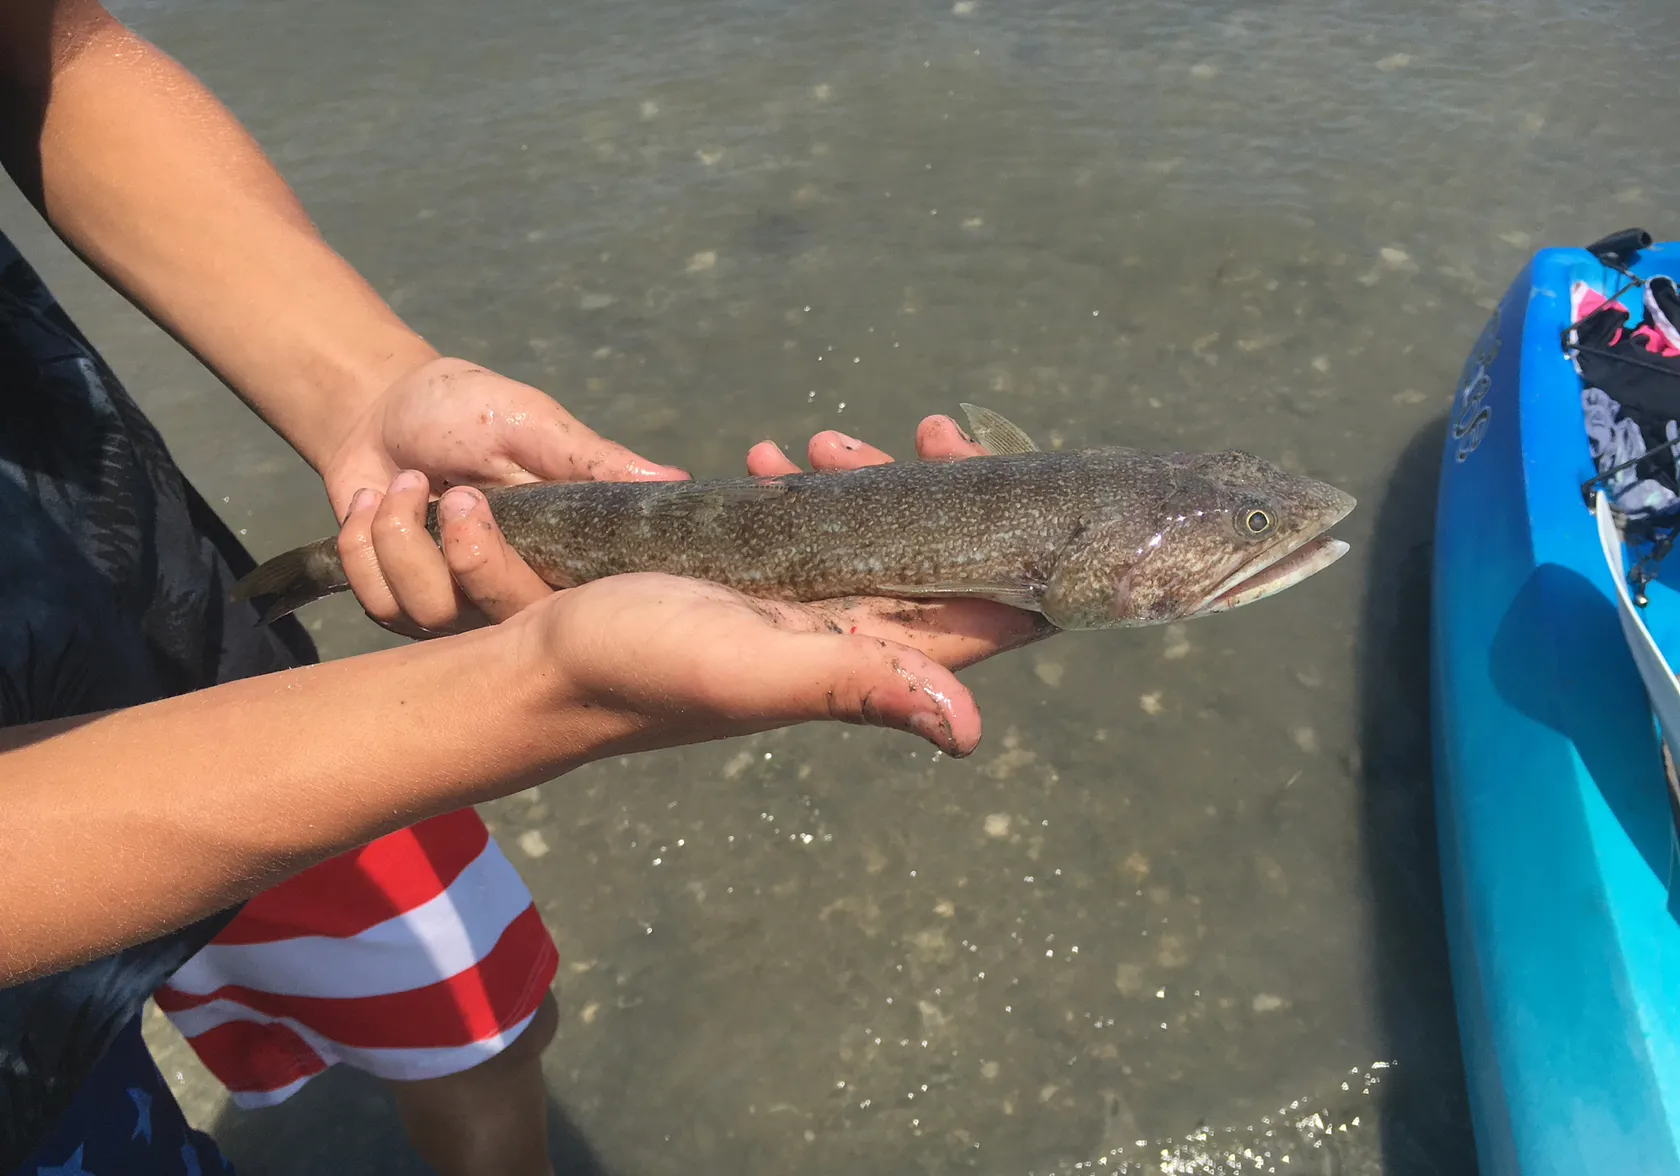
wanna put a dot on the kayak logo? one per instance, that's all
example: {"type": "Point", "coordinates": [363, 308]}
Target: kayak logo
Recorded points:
{"type": "Point", "coordinates": [1471, 415]}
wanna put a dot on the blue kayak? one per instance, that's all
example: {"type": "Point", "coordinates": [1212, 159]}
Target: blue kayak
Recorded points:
{"type": "Point", "coordinates": [1557, 832]}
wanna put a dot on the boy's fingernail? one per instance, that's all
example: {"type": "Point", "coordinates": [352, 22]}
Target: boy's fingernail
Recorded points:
{"type": "Point", "coordinates": [935, 727]}
{"type": "Point", "coordinates": [361, 500]}
{"type": "Point", "coordinates": [457, 503]}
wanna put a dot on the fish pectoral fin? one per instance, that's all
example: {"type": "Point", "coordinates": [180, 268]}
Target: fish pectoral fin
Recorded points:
{"type": "Point", "coordinates": [996, 434]}
{"type": "Point", "coordinates": [1025, 596]}
{"type": "Point", "coordinates": [685, 497]}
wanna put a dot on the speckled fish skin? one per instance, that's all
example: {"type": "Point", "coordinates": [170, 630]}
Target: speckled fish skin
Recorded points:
{"type": "Point", "coordinates": [1093, 539]}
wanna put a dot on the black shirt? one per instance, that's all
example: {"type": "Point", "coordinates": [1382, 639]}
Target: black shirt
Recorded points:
{"type": "Point", "coordinates": [114, 575]}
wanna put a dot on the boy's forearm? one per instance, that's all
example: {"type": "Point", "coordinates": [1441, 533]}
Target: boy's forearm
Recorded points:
{"type": "Point", "coordinates": [120, 826]}
{"type": "Point", "coordinates": [153, 181]}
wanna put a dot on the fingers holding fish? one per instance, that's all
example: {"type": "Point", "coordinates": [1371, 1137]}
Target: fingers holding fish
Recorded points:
{"type": "Point", "coordinates": [954, 633]}
{"type": "Point", "coordinates": [766, 460]}
{"type": "Point", "coordinates": [465, 424]}
{"type": "Point", "coordinates": [395, 567]}
{"type": "Point", "coordinates": [832, 450]}
{"type": "Point", "coordinates": [939, 438]}
{"type": "Point", "coordinates": [877, 683]}
{"type": "Point", "coordinates": [666, 659]}
{"type": "Point", "coordinates": [827, 451]}
{"type": "Point", "coordinates": [361, 562]}
{"type": "Point", "coordinates": [551, 443]}
{"type": "Point", "coordinates": [804, 670]}
{"type": "Point", "coordinates": [487, 570]}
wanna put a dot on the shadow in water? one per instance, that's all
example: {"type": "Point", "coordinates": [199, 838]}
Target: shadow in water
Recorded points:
{"type": "Point", "coordinates": [1614, 736]}
{"type": "Point", "coordinates": [1426, 1117]}
{"type": "Point", "coordinates": [343, 1122]}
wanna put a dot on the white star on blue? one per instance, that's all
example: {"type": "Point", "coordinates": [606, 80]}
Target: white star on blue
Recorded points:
{"type": "Point", "coordinates": [157, 1141]}
{"type": "Point", "coordinates": [142, 1113]}
{"type": "Point", "coordinates": [70, 1167]}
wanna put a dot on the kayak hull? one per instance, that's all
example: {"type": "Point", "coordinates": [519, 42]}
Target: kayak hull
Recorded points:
{"type": "Point", "coordinates": [1556, 840]}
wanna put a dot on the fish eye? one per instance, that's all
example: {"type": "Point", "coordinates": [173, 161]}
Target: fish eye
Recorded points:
{"type": "Point", "coordinates": [1256, 521]}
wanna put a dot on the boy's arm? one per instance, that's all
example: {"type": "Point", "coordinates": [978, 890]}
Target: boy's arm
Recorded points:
{"type": "Point", "coordinates": [124, 825]}
{"type": "Point", "coordinates": [155, 183]}
{"type": "Point", "coordinates": [158, 187]}
{"type": "Point", "coordinates": [148, 176]}
{"type": "Point", "coordinates": [121, 826]}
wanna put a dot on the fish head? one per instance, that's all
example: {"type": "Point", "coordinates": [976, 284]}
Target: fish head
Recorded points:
{"type": "Point", "coordinates": [1217, 531]}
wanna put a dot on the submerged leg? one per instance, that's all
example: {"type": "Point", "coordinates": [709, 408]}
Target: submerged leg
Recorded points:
{"type": "Point", "coordinates": [491, 1119]}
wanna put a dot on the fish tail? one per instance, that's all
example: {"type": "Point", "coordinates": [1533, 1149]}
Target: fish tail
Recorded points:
{"type": "Point", "coordinates": [294, 578]}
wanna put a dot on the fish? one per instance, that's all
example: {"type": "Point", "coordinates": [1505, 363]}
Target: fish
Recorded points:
{"type": "Point", "coordinates": [1096, 538]}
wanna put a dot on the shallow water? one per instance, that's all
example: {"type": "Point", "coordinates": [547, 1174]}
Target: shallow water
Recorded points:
{"type": "Point", "coordinates": [1189, 878]}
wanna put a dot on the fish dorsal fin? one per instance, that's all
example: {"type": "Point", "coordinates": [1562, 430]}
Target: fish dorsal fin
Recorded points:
{"type": "Point", "coordinates": [995, 434]}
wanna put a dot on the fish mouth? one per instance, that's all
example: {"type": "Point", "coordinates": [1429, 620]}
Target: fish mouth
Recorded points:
{"type": "Point", "coordinates": [1280, 572]}
{"type": "Point", "coordinates": [1285, 566]}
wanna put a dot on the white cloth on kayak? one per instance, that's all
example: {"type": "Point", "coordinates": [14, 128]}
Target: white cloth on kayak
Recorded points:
{"type": "Point", "coordinates": [1615, 441]}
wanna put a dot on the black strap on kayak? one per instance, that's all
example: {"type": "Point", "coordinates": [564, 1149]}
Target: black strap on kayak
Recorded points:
{"type": "Point", "coordinates": [1618, 250]}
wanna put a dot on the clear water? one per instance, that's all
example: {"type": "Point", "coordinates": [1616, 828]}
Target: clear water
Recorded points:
{"type": "Point", "coordinates": [1189, 881]}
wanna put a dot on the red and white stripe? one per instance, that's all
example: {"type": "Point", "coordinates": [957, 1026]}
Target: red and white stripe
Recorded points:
{"type": "Point", "coordinates": [419, 955]}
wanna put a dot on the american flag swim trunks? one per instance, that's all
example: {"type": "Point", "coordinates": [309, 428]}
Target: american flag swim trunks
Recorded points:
{"type": "Point", "coordinates": [419, 955]}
